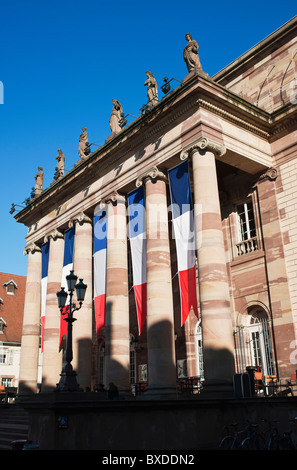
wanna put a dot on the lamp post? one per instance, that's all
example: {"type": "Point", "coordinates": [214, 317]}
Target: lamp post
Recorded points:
{"type": "Point", "coordinates": [68, 380]}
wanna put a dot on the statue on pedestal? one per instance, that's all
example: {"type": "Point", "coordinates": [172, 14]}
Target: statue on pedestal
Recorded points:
{"type": "Point", "coordinates": [115, 117]}
{"type": "Point", "coordinates": [152, 89]}
{"type": "Point", "coordinates": [60, 168]}
{"type": "Point", "coordinates": [83, 144]}
{"type": "Point", "coordinates": [39, 181]}
{"type": "Point", "coordinates": [191, 56]}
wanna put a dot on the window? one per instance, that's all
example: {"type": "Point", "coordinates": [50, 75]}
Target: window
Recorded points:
{"type": "Point", "coordinates": [260, 341]}
{"type": "Point", "coordinates": [10, 287]}
{"type": "Point", "coordinates": [7, 382]}
{"type": "Point", "coordinates": [199, 351]}
{"type": "Point", "coordinates": [247, 235]}
{"type": "Point", "coordinates": [101, 380]}
{"type": "Point", "coordinates": [3, 355]}
{"type": "Point", "coordinates": [132, 370]}
{"type": "Point", "coordinates": [253, 343]}
{"type": "Point", "coordinates": [2, 325]}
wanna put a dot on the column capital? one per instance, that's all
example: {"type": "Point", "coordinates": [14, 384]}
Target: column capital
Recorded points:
{"type": "Point", "coordinates": [114, 197]}
{"type": "Point", "coordinates": [203, 143]}
{"type": "Point", "coordinates": [152, 173]}
{"type": "Point", "coordinates": [54, 235]}
{"type": "Point", "coordinates": [80, 218]}
{"type": "Point", "coordinates": [32, 248]}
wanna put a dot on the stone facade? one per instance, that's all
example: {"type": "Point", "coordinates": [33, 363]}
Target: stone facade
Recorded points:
{"type": "Point", "coordinates": [238, 131]}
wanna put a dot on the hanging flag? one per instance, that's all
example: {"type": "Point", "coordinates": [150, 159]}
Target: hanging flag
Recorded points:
{"type": "Point", "coordinates": [183, 229]}
{"type": "Point", "coordinates": [44, 273]}
{"type": "Point", "coordinates": [100, 244]}
{"type": "Point", "coordinates": [67, 267]}
{"type": "Point", "coordinates": [137, 234]}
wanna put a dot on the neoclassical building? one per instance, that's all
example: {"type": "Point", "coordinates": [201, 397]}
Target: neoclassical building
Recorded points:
{"type": "Point", "coordinates": [215, 159]}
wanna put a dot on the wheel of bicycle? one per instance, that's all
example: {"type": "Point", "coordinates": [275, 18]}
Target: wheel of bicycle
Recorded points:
{"type": "Point", "coordinates": [253, 443]}
{"type": "Point", "coordinates": [247, 444]}
{"type": "Point", "coordinates": [227, 443]}
{"type": "Point", "coordinates": [285, 444]}
{"type": "Point", "coordinates": [273, 444]}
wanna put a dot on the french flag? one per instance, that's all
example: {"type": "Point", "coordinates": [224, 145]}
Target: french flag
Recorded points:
{"type": "Point", "coordinates": [183, 229]}
{"type": "Point", "coordinates": [137, 235]}
{"type": "Point", "coordinates": [67, 267]}
{"type": "Point", "coordinates": [44, 273]}
{"type": "Point", "coordinates": [100, 245]}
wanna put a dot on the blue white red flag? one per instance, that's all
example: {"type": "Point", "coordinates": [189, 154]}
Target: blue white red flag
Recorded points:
{"type": "Point", "coordinates": [183, 229]}
{"type": "Point", "coordinates": [137, 234]}
{"type": "Point", "coordinates": [67, 267]}
{"type": "Point", "coordinates": [100, 246]}
{"type": "Point", "coordinates": [44, 273]}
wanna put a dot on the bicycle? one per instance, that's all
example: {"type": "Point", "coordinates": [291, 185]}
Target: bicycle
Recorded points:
{"type": "Point", "coordinates": [272, 441]}
{"type": "Point", "coordinates": [254, 440]}
{"type": "Point", "coordinates": [231, 441]}
{"type": "Point", "coordinates": [285, 442]}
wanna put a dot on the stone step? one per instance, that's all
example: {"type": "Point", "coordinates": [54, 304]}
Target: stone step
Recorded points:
{"type": "Point", "coordinates": [13, 426]}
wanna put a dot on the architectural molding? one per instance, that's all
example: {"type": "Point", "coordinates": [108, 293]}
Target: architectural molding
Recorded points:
{"type": "Point", "coordinates": [203, 143]}
{"type": "Point", "coordinates": [152, 173]}
{"type": "Point", "coordinates": [31, 248]}
{"type": "Point", "coordinates": [54, 235]}
{"type": "Point", "coordinates": [232, 118]}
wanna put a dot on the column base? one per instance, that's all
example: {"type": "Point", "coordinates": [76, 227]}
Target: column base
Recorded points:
{"type": "Point", "coordinates": [159, 393]}
{"type": "Point", "coordinates": [217, 388]}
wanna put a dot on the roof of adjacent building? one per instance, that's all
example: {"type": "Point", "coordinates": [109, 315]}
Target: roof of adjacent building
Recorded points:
{"type": "Point", "coordinates": [12, 306]}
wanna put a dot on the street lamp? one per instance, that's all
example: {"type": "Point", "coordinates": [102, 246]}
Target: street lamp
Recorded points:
{"type": "Point", "coordinates": [68, 380]}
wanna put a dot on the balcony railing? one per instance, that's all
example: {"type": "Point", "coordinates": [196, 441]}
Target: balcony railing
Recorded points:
{"type": "Point", "coordinates": [247, 246]}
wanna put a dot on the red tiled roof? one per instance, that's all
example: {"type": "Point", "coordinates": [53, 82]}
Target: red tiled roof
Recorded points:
{"type": "Point", "coordinates": [12, 307]}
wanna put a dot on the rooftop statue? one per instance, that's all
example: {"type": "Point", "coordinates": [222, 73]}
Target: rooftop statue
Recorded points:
{"type": "Point", "coordinates": [60, 168]}
{"type": "Point", "coordinates": [191, 56]}
{"type": "Point", "coordinates": [83, 144]}
{"type": "Point", "coordinates": [115, 117]}
{"type": "Point", "coordinates": [39, 181]}
{"type": "Point", "coordinates": [152, 88]}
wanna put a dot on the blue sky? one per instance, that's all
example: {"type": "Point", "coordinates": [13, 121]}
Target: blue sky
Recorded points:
{"type": "Point", "coordinates": [62, 62]}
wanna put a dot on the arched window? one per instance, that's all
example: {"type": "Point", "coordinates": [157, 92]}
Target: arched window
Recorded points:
{"type": "Point", "coordinates": [199, 350]}
{"type": "Point", "coordinates": [260, 340]}
{"type": "Point", "coordinates": [253, 344]}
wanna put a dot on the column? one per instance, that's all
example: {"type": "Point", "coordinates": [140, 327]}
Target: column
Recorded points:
{"type": "Point", "coordinates": [117, 338]}
{"type": "Point", "coordinates": [278, 289]}
{"type": "Point", "coordinates": [31, 323]}
{"type": "Point", "coordinates": [52, 358]}
{"type": "Point", "coordinates": [160, 318]}
{"type": "Point", "coordinates": [216, 320]}
{"type": "Point", "coordinates": [82, 328]}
